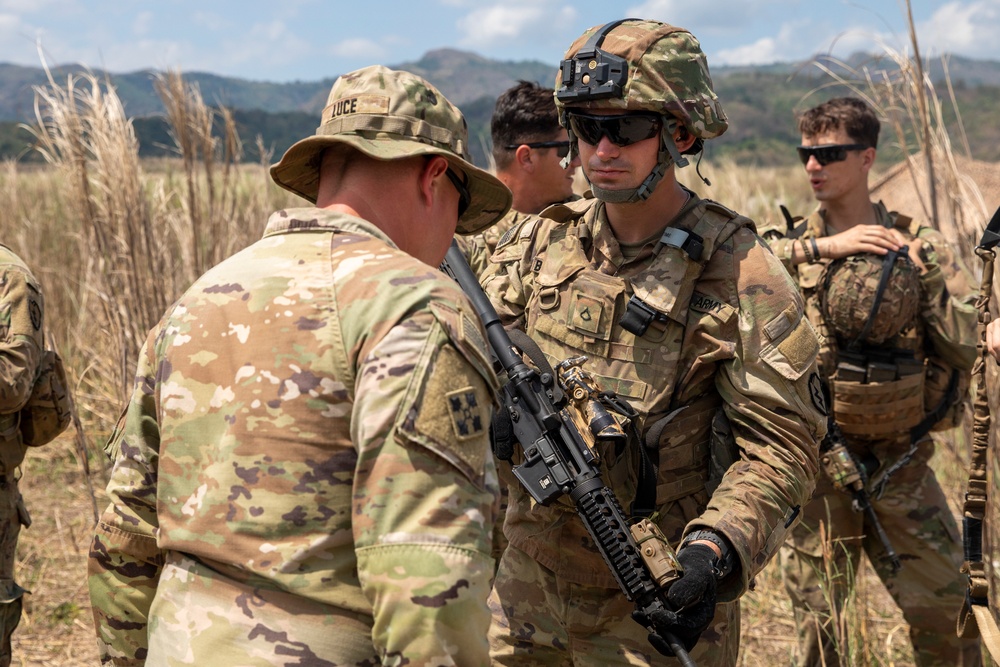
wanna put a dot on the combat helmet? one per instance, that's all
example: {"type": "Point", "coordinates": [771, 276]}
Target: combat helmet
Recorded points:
{"type": "Point", "coordinates": [870, 299]}
{"type": "Point", "coordinates": [639, 65]}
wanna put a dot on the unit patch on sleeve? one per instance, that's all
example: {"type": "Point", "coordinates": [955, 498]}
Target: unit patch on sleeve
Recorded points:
{"type": "Point", "coordinates": [466, 415]}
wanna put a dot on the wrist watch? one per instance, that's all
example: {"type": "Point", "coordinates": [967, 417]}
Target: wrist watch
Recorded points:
{"type": "Point", "coordinates": [724, 564]}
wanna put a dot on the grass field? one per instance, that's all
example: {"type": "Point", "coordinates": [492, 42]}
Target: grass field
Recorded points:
{"type": "Point", "coordinates": [114, 240]}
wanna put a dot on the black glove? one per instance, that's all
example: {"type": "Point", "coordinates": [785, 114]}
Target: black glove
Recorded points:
{"type": "Point", "coordinates": [692, 597]}
{"type": "Point", "coordinates": [502, 437]}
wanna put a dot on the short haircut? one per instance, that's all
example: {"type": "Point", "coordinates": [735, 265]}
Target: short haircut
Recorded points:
{"type": "Point", "coordinates": [851, 114]}
{"type": "Point", "coordinates": [523, 113]}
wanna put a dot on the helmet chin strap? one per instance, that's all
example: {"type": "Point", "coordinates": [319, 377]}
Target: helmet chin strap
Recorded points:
{"type": "Point", "coordinates": [666, 156]}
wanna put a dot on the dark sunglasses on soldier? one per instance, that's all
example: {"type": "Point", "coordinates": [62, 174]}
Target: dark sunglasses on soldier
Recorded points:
{"type": "Point", "coordinates": [562, 147]}
{"type": "Point", "coordinates": [621, 130]}
{"type": "Point", "coordinates": [464, 196]}
{"type": "Point", "coordinates": [829, 153]}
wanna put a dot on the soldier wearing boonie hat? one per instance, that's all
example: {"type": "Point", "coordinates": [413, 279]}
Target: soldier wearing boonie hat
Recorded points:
{"type": "Point", "coordinates": [303, 473]}
{"type": "Point", "coordinates": [389, 115]}
{"type": "Point", "coordinates": [683, 312]}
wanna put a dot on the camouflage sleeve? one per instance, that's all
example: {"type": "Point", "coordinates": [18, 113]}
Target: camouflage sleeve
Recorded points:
{"type": "Point", "coordinates": [947, 301]}
{"type": "Point", "coordinates": [21, 341]}
{"type": "Point", "coordinates": [507, 280]}
{"type": "Point", "coordinates": [425, 491]}
{"type": "Point", "coordinates": [124, 563]}
{"type": "Point", "coordinates": [770, 388]}
{"type": "Point", "coordinates": [782, 249]}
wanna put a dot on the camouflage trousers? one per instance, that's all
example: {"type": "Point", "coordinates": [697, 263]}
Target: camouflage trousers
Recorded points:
{"type": "Point", "coordinates": [12, 517]}
{"type": "Point", "coordinates": [540, 620]}
{"type": "Point", "coordinates": [928, 589]}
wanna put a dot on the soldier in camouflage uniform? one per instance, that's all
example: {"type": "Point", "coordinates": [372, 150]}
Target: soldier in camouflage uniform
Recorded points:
{"type": "Point", "coordinates": [21, 346]}
{"type": "Point", "coordinates": [530, 151]}
{"type": "Point", "coordinates": [678, 306]}
{"type": "Point", "coordinates": [302, 475]}
{"type": "Point", "coordinates": [839, 140]}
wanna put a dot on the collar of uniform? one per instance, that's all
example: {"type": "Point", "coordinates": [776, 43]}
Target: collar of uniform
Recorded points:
{"type": "Point", "coordinates": [606, 244]}
{"type": "Point", "coordinates": [310, 218]}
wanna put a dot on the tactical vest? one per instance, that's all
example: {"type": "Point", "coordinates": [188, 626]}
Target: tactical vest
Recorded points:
{"type": "Point", "coordinates": [887, 392]}
{"type": "Point", "coordinates": [632, 329]}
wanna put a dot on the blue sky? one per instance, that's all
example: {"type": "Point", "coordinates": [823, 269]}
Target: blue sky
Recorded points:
{"type": "Point", "coordinates": [285, 40]}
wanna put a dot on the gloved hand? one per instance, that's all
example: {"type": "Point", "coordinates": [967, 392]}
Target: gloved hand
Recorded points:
{"type": "Point", "coordinates": [692, 598]}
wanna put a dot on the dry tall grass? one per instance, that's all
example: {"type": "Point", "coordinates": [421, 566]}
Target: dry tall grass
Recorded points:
{"type": "Point", "coordinates": [114, 240]}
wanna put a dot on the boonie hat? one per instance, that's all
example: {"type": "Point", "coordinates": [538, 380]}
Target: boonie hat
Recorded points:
{"type": "Point", "coordinates": [389, 114]}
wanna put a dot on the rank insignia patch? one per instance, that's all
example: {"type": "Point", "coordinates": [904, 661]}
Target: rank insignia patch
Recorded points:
{"type": "Point", "coordinates": [466, 413]}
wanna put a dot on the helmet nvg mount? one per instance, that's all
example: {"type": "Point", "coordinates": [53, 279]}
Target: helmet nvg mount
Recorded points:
{"type": "Point", "coordinates": [638, 65]}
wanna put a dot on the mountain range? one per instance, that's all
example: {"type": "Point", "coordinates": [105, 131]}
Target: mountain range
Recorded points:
{"type": "Point", "coordinates": [760, 101]}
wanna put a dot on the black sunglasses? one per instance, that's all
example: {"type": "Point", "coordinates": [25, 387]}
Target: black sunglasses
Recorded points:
{"type": "Point", "coordinates": [829, 153]}
{"type": "Point", "coordinates": [464, 196]}
{"type": "Point", "coordinates": [621, 130]}
{"type": "Point", "coordinates": [562, 147]}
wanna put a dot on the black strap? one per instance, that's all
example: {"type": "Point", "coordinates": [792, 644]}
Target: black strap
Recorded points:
{"type": "Point", "coordinates": [528, 346]}
{"type": "Point", "coordinates": [887, 265]}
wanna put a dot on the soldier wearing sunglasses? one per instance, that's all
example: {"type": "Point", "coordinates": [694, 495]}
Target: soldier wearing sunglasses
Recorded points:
{"type": "Point", "coordinates": [529, 154]}
{"type": "Point", "coordinates": [683, 313]}
{"type": "Point", "coordinates": [839, 139]}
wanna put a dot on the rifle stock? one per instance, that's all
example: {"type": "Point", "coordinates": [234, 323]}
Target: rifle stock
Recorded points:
{"type": "Point", "coordinates": [559, 460]}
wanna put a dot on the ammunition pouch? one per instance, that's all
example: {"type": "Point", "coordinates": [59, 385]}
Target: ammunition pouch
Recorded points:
{"type": "Point", "coordinates": [946, 392]}
{"type": "Point", "coordinates": [878, 396]}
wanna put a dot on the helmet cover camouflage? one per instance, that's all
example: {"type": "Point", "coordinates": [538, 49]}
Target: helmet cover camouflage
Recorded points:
{"type": "Point", "coordinates": [849, 287]}
{"type": "Point", "coordinates": [388, 114]}
{"type": "Point", "coordinates": [666, 73]}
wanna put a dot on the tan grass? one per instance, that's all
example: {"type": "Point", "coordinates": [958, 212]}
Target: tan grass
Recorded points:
{"type": "Point", "coordinates": [115, 239]}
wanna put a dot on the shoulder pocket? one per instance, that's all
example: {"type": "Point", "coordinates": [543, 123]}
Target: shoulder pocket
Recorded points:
{"type": "Point", "coordinates": [792, 344]}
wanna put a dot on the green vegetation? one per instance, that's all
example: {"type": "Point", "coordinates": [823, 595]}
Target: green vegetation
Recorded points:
{"type": "Point", "coordinates": [761, 103]}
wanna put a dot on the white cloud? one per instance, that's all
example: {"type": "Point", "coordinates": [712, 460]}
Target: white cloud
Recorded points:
{"type": "Point", "coordinates": [359, 48]}
{"type": "Point", "coordinates": [210, 21]}
{"type": "Point", "coordinates": [703, 17]}
{"type": "Point", "coordinates": [35, 6]}
{"type": "Point", "coordinates": [764, 50]}
{"type": "Point", "coordinates": [787, 45]}
{"type": "Point", "coordinates": [510, 23]}
{"type": "Point", "coordinates": [966, 28]}
{"type": "Point", "coordinates": [491, 25]}
{"type": "Point", "coordinates": [142, 23]}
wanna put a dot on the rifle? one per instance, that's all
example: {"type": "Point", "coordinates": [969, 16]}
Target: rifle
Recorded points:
{"type": "Point", "coordinates": [846, 473]}
{"type": "Point", "coordinates": [556, 427]}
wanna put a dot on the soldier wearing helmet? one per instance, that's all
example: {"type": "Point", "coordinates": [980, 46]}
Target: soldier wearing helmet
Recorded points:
{"type": "Point", "coordinates": [302, 475]}
{"type": "Point", "coordinates": [895, 305]}
{"type": "Point", "coordinates": [682, 312]}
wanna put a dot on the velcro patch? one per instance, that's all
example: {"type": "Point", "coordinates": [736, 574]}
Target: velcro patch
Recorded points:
{"type": "Point", "coordinates": [454, 422]}
{"type": "Point", "coordinates": [367, 104]}
{"type": "Point", "coordinates": [466, 415]}
{"type": "Point", "coordinates": [586, 313]}
{"type": "Point", "coordinates": [709, 305]}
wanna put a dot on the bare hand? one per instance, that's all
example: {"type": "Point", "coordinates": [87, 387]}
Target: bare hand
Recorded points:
{"type": "Point", "coordinates": [859, 239]}
{"type": "Point", "coordinates": [993, 338]}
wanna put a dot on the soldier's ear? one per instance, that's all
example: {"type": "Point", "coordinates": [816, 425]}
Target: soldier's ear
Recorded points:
{"type": "Point", "coordinates": [682, 138]}
{"type": "Point", "coordinates": [525, 158]}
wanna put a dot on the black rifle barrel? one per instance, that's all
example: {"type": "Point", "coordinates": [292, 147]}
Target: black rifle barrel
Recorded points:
{"type": "Point", "coordinates": [558, 461]}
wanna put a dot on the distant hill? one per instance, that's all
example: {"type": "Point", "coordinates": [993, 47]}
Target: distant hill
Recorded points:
{"type": "Point", "coordinates": [760, 101]}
